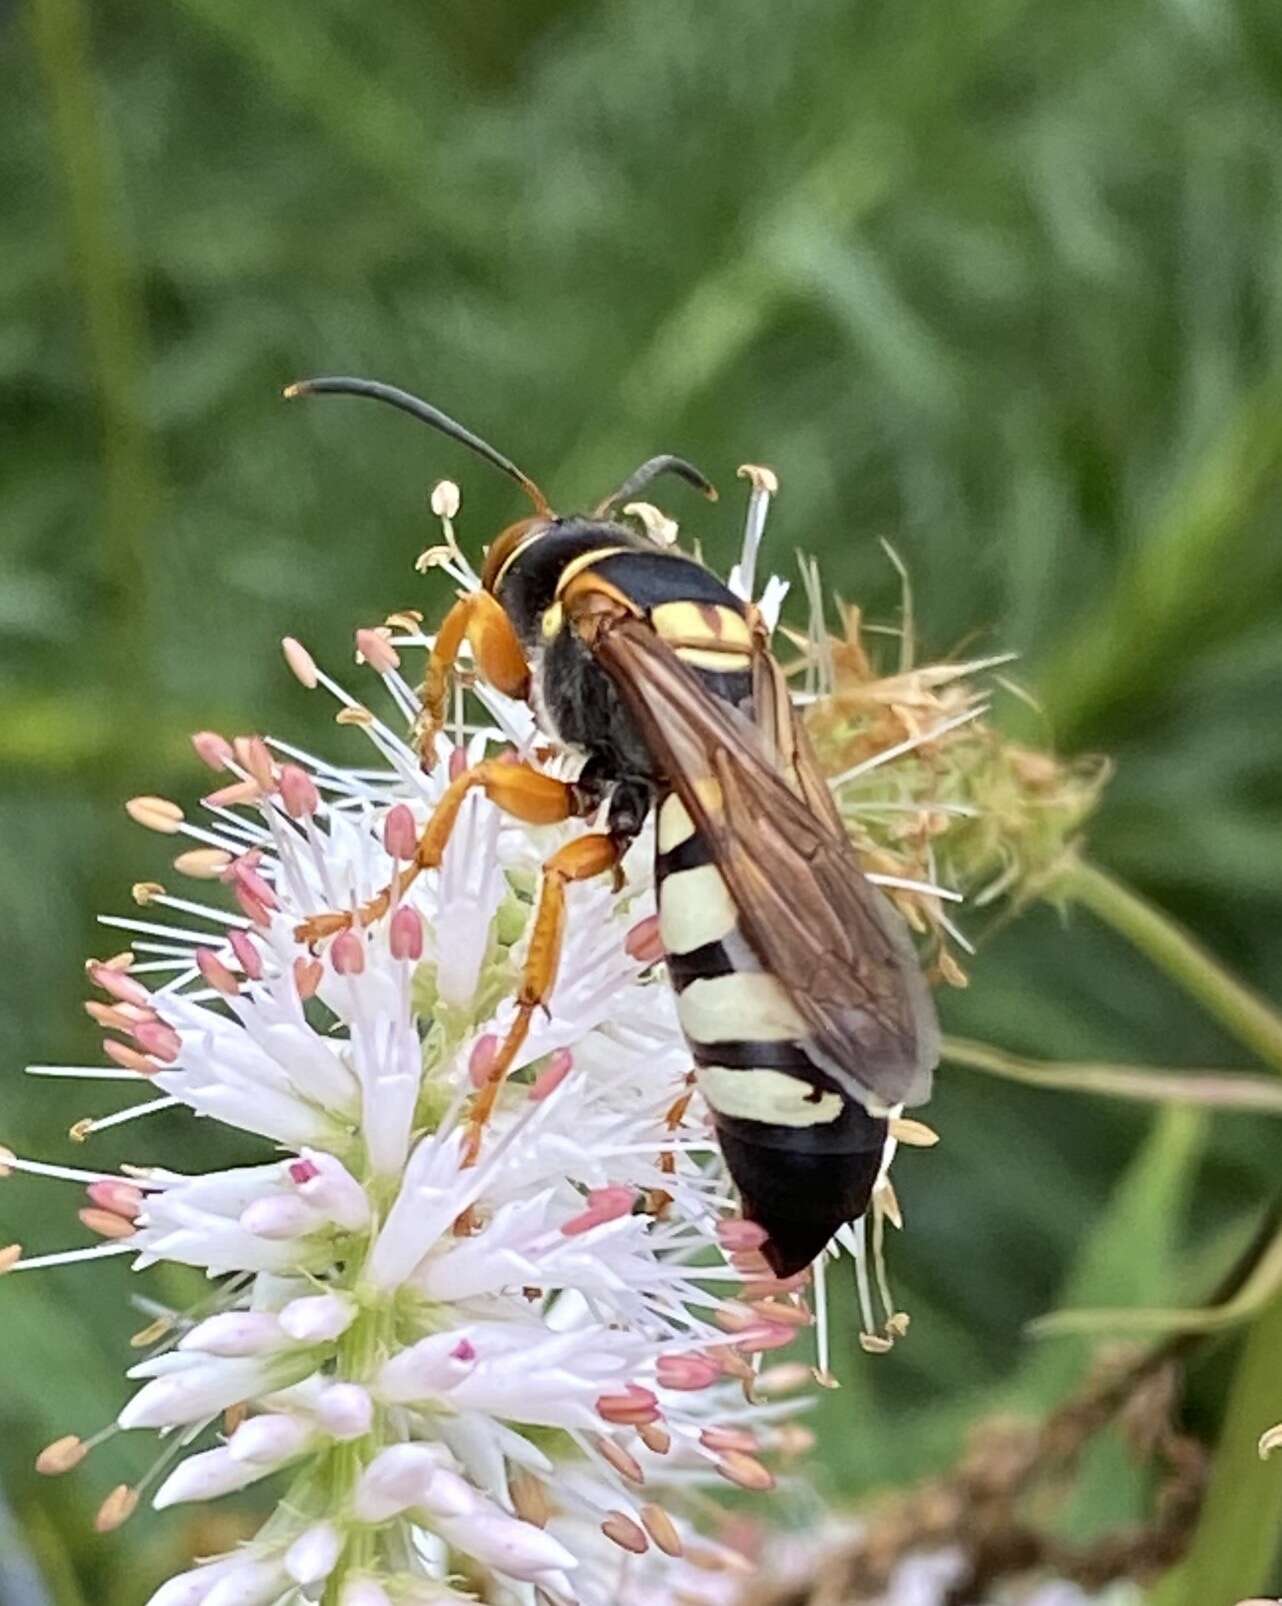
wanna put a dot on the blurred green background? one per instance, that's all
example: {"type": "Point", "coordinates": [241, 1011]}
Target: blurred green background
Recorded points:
{"type": "Point", "coordinates": [1001, 283]}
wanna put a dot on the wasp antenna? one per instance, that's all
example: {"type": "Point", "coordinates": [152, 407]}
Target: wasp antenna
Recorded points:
{"type": "Point", "coordinates": [651, 470]}
{"type": "Point", "coordinates": [426, 414]}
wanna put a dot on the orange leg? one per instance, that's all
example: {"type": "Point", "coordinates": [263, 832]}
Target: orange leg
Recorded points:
{"type": "Point", "coordinates": [525, 793]}
{"type": "Point", "coordinates": [580, 860]}
{"type": "Point", "coordinates": [477, 619]}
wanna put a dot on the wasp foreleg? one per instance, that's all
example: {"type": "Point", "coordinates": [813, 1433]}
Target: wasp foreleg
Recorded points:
{"type": "Point", "coordinates": [580, 860]}
{"type": "Point", "coordinates": [477, 619]}
{"type": "Point", "coordinates": [526, 794]}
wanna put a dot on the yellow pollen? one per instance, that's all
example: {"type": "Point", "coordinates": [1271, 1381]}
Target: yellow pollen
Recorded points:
{"type": "Point", "coordinates": [147, 1336]}
{"type": "Point", "coordinates": [116, 1509]}
{"type": "Point", "coordinates": [79, 1132]}
{"type": "Point", "coordinates": [301, 663]}
{"type": "Point", "coordinates": [203, 864]}
{"type": "Point", "coordinates": [61, 1456]}
{"type": "Point", "coordinates": [354, 716]}
{"type": "Point", "coordinates": [625, 1533]}
{"type": "Point", "coordinates": [10, 1255]}
{"type": "Point", "coordinates": [552, 621]}
{"type": "Point", "coordinates": [914, 1134]}
{"type": "Point", "coordinates": [530, 1498]}
{"type": "Point", "coordinates": [143, 892]}
{"type": "Point", "coordinates": [762, 479]}
{"type": "Point", "coordinates": [745, 1470]}
{"type": "Point", "coordinates": [156, 813]}
{"type": "Point", "coordinates": [661, 1528]}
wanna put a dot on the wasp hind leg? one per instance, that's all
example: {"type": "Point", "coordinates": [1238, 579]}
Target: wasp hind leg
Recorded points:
{"type": "Point", "coordinates": [581, 860]}
{"type": "Point", "coordinates": [525, 793]}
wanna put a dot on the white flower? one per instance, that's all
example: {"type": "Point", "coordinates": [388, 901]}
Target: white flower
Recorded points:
{"type": "Point", "coordinates": [389, 1320]}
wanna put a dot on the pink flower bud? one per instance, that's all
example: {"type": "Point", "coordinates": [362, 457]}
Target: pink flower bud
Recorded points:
{"type": "Point", "coordinates": [254, 756]}
{"type": "Point", "coordinates": [400, 834]}
{"type": "Point", "coordinates": [347, 954]}
{"type": "Point", "coordinates": [216, 973]}
{"type": "Point", "coordinates": [737, 1235]}
{"type": "Point", "coordinates": [604, 1204]}
{"type": "Point", "coordinates": [119, 985]}
{"type": "Point", "coordinates": [212, 749]}
{"type": "Point", "coordinates": [247, 954]}
{"type": "Point", "coordinates": [484, 1052]}
{"type": "Point", "coordinates": [121, 1198]}
{"type": "Point", "coordinates": [129, 1058]}
{"type": "Point", "coordinates": [686, 1372]}
{"type": "Point", "coordinates": [160, 1041]}
{"type": "Point", "coordinates": [643, 943]}
{"type": "Point", "coordinates": [106, 1223]}
{"type": "Point", "coordinates": [458, 762]}
{"type": "Point", "coordinates": [558, 1067]}
{"type": "Point", "coordinates": [249, 905]}
{"type": "Point", "coordinates": [298, 792]}
{"type": "Point", "coordinates": [244, 876]}
{"type": "Point", "coordinates": [724, 1438]}
{"type": "Point", "coordinates": [234, 793]}
{"type": "Point", "coordinates": [405, 938]}
{"type": "Point", "coordinates": [630, 1408]}
{"type": "Point", "coordinates": [377, 651]}
{"type": "Point", "coordinates": [764, 1336]}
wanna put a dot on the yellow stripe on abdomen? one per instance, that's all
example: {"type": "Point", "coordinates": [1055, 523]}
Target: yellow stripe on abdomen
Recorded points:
{"type": "Point", "coordinates": [675, 825]}
{"type": "Point", "coordinates": [764, 1095]}
{"type": "Point", "coordinates": [695, 907]}
{"type": "Point", "coordinates": [745, 1006]}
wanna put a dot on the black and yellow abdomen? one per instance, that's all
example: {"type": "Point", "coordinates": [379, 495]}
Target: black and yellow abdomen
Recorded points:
{"type": "Point", "coordinates": [803, 1155]}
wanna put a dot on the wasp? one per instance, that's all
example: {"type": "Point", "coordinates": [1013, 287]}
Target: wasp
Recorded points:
{"type": "Point", "coordinates": [798, 987]}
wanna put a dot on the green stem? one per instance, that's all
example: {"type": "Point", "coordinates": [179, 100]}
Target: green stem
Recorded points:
{"type": "Point", "coordinates": [1263, 1284]}
{"type": "Point", "coordinates": [358, 1354]}
{"type": "Point", "coordinates": [1221, 1090]}
{"type": "Point", "coordinates": [1248, 1017]}
{"type": "Point", "coordinates": [1236, 1539]}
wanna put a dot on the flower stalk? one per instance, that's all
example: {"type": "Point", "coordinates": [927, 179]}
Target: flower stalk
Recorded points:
{"type": "Point", "coordinates": [511, 1369]}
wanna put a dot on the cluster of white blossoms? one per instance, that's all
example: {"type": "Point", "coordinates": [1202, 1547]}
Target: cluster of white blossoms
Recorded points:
{"type": "Point", "coordinates": [498, 1378]}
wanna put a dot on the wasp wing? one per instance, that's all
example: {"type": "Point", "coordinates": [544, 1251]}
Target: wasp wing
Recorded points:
{"type": "Point", "coordinates": [814, 920]}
